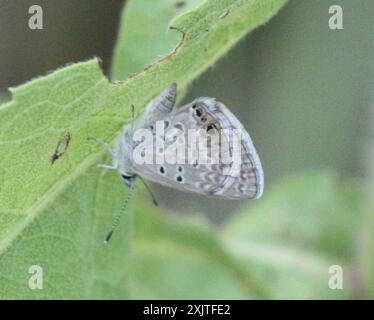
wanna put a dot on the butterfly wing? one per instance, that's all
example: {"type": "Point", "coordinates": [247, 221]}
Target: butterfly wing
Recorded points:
{"type": "Point", "coordinates": [230, 177]}
{"type": "Point", "coordinates": [249, 183]}
{"type": "Point", "coordinates": [161, 106]}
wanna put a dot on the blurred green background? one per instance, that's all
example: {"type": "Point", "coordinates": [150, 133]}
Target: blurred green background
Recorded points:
{"type": "Point", "coordinates": [304, 93]}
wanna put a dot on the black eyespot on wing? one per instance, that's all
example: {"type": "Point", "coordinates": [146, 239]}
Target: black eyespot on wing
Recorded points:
{"type": "Point", "coordinates": [179, 178]}
{"type": "Point", "coordinates": [199, 112]}
{"type": "Point", "coordinates": [211, 126]}
{"type": "Point", "coordinates": [180, 169]}
{"type": "Point", "coordinates": [162, 170]}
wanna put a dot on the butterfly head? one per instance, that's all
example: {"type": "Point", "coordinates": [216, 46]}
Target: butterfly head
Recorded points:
{"type": "Point", "coordinates": [128, 178]}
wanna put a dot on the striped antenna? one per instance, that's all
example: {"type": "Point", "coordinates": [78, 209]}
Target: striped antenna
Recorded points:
{"type": "Point", "coordinates": [124, 207]}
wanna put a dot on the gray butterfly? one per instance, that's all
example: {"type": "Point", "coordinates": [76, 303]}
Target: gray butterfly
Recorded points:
{"type": "Point", "coordinates": [209, 118]}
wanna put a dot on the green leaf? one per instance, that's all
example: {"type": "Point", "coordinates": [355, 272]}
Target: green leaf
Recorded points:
{"type": "Point", "coordinates": [297, 231]}
{"type": "Point", "coordinates": [188, 260]}
{"type": "Point", "coordinates": [195, 40]}
{"type": "Point", "coordinates": [55, 215]}
{"type": "Point", "coordinates": [279, 248]}
{"type": "Point", "coordinates": [142, 44]}
{"type": "Point", "coordinates": [176, 257]}
{"type": "Point", "coordinates": [77, 100]}
{"type": "Point", "coordinates": [67, 242]}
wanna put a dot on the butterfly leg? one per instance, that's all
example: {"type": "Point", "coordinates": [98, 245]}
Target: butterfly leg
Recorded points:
{"type": "Point", "coordinates": [108, 149]}
{"type": "Point", "coordinates": [106, 146]}
{"type": "Point", "coordinates": [106, 166]}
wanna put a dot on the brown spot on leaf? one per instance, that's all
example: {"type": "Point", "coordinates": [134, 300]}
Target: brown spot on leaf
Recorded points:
{"type": "Point", "coordinates": [224, 14]}
{"type": "Point", "coordinates": [61, 147]}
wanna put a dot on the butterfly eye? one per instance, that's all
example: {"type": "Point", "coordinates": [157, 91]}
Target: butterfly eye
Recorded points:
{"type": "Point", "coordinates": [194, 106]}
{"type": "Point", "coordinates": [127, 177]}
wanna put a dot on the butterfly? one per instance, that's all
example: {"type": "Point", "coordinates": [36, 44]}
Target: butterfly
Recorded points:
{"type": "Point", "coordinates": [230, 167]}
